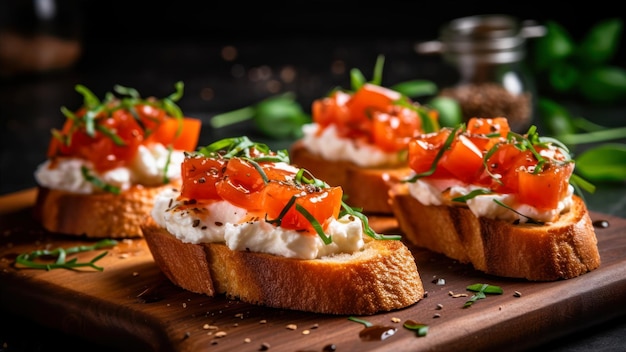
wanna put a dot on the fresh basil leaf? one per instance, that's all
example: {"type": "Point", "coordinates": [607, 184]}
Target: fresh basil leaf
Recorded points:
{"type": "Point", "coordinates": [605, 84]}
{"type": "Point", "coordinates": [563, 77]}
{"type": "Point", "coordinates": [604, 163]}
{"type": "Point", "coordinates": [357, 79]}
{"type": "Point", "coordinates": [281, 117]}
{"type": "Point", "coordinates": [555, 118]}
{"type": "Point", "coordinates": [90, 99]}
{"type": "Point", "coordinates": [377, 78]}
{"type": "Point", "coordinates": [555, 46]}
{"type": "Point", "coordinates": [472, 194]}
{"type": "Point", "coordinates": [420, 329]}
{"type": "Point", "coordinates": [415, 88]}
{"type": "Point", "coordinates": [449, 109]}
{"type": "Point", "coordinates": [486, 288]}
{"type": "Point", "coordinates": [601, 42]}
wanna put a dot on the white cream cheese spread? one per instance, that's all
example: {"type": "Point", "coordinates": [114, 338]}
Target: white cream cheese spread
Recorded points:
{"type": "Point", "coordinates": [429, 192]}
{"type": "Point", "coordinates": [222, 222]}
{"type": "Point", "coordinates": [330, 146]}
{"type": "Point", "coordinates": [147, 168]}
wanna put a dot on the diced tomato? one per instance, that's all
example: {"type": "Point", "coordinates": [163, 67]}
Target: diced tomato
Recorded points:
{"type": "Point", "coordinates": [499, 165]}
{"type": "Point", "coordinates": [423, 151]}
{"type": "Point", "coordinates": [199, 176]}
{"type": "Point", "coordinates": [181, 134]}
{"type": "Point", "coordinates": [113, 144]}
{"type": "Point", "coordinates": [545, 189]}
{"type": "Point", "coordinates": [56, 146]}
{"type": "Point", "coordinates": [151, 117]}
{"type": "Point", "coordinates": [370, 98]}
{"type": "Point", "coordinates": [111, 154]}
{"type": "Point", "coordinates": [117, 137]}
{"type": "Point", "coordinates": [371, 115]}
{"type": "Point", "coordinates": [394, 127]}
{"type": "Point", "coordinates": [331, 110]}
{"type": "Point", "coordinates": [241, 184]}
{"type": "Point", "coordinates": [464, 160]}
{"type": "Point", "coordinates": [322, 204]}
{"type": "Point", "coordinates": [488, 126]}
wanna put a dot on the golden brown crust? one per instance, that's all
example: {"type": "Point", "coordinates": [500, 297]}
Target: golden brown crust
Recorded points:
{"type": "Point", "coordinates": [366, 188]}
{"type": "Point", "coordinates": [102, 215]}
{"type": "Point", "coordinates": [383, 277]}
{"type": "Point", "coordinates": [560, 250]}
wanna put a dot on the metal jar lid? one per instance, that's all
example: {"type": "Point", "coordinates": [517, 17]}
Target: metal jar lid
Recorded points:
{"type": "Point", "coordinates": [483, 38]}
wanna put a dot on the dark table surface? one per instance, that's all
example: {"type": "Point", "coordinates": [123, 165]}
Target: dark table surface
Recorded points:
{"type": "Point", "coordinates": [265, 65]}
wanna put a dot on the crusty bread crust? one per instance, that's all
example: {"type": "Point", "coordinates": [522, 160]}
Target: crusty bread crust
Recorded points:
{"type": "Point", "coordinates": [560, 250]}
{"type": "Point", "coordinates": [383, 277]}
{"type": "Point", "coordinates": [101, 215]}
{"type": "Point", "coordinates": [366, 188]}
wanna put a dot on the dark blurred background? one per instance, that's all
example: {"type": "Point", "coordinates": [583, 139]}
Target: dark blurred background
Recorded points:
{"type": "Point", "coordinates": [229, 54]}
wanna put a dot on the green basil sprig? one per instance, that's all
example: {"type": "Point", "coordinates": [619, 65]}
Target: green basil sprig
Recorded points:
{"type": "Point", "coordinates": [278, 117]}
{"type": "Point", "coordinates": [29, 260]}
{"type": "Point", "coordinates": [602, 162]}
{"type": "Point", "coordinates": [481, 292]}
{"type": "Point", "coordinates": [582, 68]}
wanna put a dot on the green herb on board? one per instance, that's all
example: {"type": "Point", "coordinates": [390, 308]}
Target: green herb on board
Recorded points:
{"type": "Point", "coordinates": [481, 292]}
{"type": "Point", "coordinates": [30, 260]}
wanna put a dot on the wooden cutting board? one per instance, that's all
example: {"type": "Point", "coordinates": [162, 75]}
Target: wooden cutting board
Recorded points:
{"type": "Point", "coordinates": [130, 305]}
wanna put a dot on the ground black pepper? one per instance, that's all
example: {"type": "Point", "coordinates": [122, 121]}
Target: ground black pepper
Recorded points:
{"type": "Point", "coordinates": [492, 100]}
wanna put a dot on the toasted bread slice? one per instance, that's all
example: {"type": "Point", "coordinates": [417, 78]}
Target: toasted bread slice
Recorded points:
{"type": "Point", "coordinates": [366, 188]}
{"type": "Point", "coordinates": [101, 215]}
{"type": "Point", "coordinates": [382, 277]}
{"type": "Point", "coordinates": [560, 250]}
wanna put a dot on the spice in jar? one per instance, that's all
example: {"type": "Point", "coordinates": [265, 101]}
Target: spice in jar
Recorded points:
{"type": "Point", "coordinates": [492, 100]}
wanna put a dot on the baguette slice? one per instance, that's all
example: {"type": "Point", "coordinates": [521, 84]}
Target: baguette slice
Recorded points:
{"type": "Point", "coordinates": [560, 250]}
{"type": "Point", "coordinates": [101, 215]}
{"type": "Point", "coordinates": [382, 277]}
{"type": "Point", "coordinates": [366, 188]}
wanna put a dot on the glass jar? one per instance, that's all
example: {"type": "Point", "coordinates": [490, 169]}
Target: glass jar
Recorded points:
{"type": "Point", "coordinates": [39, 36]}
{"type": "Point", "coordinates": [488, 53]}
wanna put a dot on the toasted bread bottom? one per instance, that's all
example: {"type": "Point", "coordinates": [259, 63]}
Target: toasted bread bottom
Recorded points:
{"type": "Point", "coordinates": [560, 250]}
{"type": "Point", "coordinates": [382, 277]}
{"type": "Point", "coordinates": [102, 215]}
{"type": "Point", "coordinates": [366, 188]}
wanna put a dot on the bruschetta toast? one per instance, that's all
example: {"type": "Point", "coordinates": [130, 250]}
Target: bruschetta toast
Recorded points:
{"type": "Point", "coordinates": [109, 160]}
{"type": "Point", "coordinates": [248, 224]}
{"type": "Point", "coordinates": [358, 140]}
{"type": "Point", "coordinates": [498, 200]}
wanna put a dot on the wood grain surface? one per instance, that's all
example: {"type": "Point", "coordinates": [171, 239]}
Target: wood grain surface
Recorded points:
{"type": "Point", "coordinates": [130, 305]}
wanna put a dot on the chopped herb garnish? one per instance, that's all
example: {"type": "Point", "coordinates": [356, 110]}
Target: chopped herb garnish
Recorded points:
{"type": "Point", "coordinates": [346, 209]}
{"type": "Point", "coordinates": [472, 194]}
{"type": "Point", "coordinates": [361, 321]}
{"type": "Point", "coordinates": [28, 259]}
{"type": "Point", "coordinates": [420, 329]}
{"type": "Point", "coordinates": [242, 147]}
{"type": "Point", "coordinates": [129, 99]}
{"type": "Point", "coordinates": [529, 219]}
{"type": "Point", "coordinates": [168, 160]}
{"type": "Point", "coordinates": [283, 212]}
{"type": "Point", "coordinates": [98, 182]}
{"type": "Point", "coordinates": [302, 179]}
{"type": "Point", "coordinates": [316, 225]}
{"type": "Point", "coordinates": [481, 291]}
